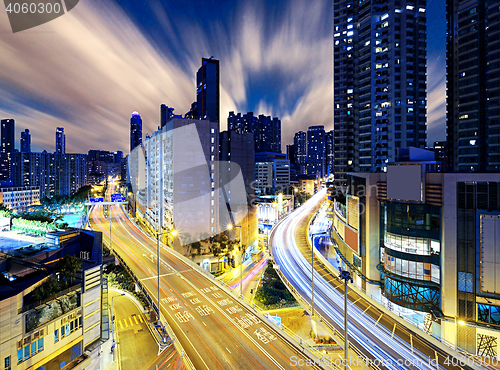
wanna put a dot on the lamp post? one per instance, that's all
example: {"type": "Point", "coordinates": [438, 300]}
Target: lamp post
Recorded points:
{"type": "Point", "coordinates": [346, 276]}
{"type": "Point", "coordinates": [230, 227]}
{"type": "Point", "coordinates": [113, 316]}
{"type": "Point", "coordinates": [312, 272]}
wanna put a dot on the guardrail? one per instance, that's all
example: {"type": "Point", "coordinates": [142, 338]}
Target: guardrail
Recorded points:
{"type": "Point", "coordinates": [362, 292]}
{"type": "Point", "coordinates": [294, 341]}
{"type": "Point", "coordinates": [178, 346]}
{"type": "Point", "coordinates": [339, 335]}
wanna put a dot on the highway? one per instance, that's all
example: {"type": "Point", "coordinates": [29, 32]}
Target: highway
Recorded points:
{"type": "Point", "coordinates": [373, 333]}
{"type": "Point", "coordinates": [215, 330]}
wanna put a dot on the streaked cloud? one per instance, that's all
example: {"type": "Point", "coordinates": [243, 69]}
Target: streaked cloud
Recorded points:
{"type": "Point", "coordinates": [87, 71]}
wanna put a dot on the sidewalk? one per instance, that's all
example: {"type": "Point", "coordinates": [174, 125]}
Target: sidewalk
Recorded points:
{"type": "Point", "coordinates": [110, 361]}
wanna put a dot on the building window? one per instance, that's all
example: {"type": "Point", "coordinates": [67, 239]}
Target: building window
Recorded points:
{"type": "Point", "coordinates": [33, 348]}
{"type": "Point", "coordinates": [27, 352]}
{"type": "Point", "coordinates": [19, 355]}
{"type": "Point", "coordinates": [7, 363]}
{"type": "Point", "coordinates": [40, 344]}
{"type": "Point", "coordinates": [62, 332]}
{"type": "Point", "coordinates": [56, 336]}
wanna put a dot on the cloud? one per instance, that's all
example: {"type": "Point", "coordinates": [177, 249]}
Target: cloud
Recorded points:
{"type": "Point", "coordinates": [87, 71]}
{"type": "Point", "coordinates": [436, 100]}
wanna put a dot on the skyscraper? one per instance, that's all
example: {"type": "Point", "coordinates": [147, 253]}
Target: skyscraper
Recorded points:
{"type": "Point", "coordinates": [329, 153]}
{"type": "Point", "coordinates": [7, 129]}
{"type": "Point", "coordinates": [25, 141]}
{"type": "Point", "coordinates": [300, 144]}
{"type": "Point", "coordinates": [60, 141]}
{"type": "Point", "coordinates": [135, 130]}
{"type": "Point", "coordinates": [166, 114]}
{"type": "Point", "coordinates": [266, 130]}
{"type": "Point", "coordinates": [473, 90]}
{"type": "Point", "coordinates": [379, 82]}
{"type": "Point", "coordinates": [207, 90]}
{"type": "Point", "coordinates": [316, 151]}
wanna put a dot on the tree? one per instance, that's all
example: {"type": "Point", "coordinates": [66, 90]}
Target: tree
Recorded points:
{"type": "Point", "coordinates": [68, 266]}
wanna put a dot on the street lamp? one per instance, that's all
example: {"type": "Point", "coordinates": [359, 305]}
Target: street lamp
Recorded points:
{"type": "Point", "coordinates": [346, 276]}
{"type": "Point", "coordinates": [230, 227]}
{"type": "Point", "coordinates": [312, 271]}
{"type": "Point", "coordinates": [113, 316]}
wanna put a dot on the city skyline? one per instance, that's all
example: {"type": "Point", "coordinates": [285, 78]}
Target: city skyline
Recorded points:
{"type": "Point", "coordinates": [263, 69]}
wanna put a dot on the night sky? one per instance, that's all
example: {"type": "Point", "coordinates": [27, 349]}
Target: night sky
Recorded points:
{"type": "Point", "coordinates": [88, 70]}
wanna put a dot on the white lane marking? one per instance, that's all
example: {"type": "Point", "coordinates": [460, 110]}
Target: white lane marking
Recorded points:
{"type": "Point", "coordinates": [221, 310]}
{"type": "Point", "coordinates": [228, 350]}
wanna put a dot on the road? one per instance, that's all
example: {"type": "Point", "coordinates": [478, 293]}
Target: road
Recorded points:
{"type": "Point", "coordinates": [252, 273]}
{"type": "Point", "coordinates": [373, 333]}
{"type": "Point", "coordinates": [135, 341]}
{"type": "Point", "coordinates": [216, 331]}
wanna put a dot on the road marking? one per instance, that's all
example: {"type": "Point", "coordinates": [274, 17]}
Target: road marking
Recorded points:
{"type": "Point", "coordinates": [244, 332]}
{"type": "Point", "coordinates": [131, 323]}
{"type": "Point", "coordinates": [121, 325]}
{"type": "Point", "coordinates": [356, 302]}
{"type": "Point", "coordinates": [379, 319]}
{"type": "Point", "coordinates": [140, 318]}
{"type": "Point", "coordinates": [393, 330]}
{"type": "Point", "coordinates": [228, 350]}
{"type": "Point", "coordinates": [367, 308]}
{"type": "Point", "coordinates": [135, 319]}
{"type": "Point", "coordinates": [126, 324]}
{"type": "Point", "coordinates": [204, 323]}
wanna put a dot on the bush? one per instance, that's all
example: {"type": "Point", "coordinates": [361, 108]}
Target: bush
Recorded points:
{"type": "Point", "coordinates": [272, 291]}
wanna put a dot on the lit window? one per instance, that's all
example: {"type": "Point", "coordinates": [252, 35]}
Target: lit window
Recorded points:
{"type": "Point", "coordinates": [409, 7]}
{"type": "Point", "coordinates": [385, 16]}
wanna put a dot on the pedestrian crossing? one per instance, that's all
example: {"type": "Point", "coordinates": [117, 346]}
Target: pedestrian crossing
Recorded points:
{"type": "Point", "coordinates": [130, 321]}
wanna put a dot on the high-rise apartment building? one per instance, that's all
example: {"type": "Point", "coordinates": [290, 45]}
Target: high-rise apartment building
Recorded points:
{"type": "Point", "coordinates": [207, 90]}
{"type": "Point", "coordinates": [300, 144]}
{"type": "Point", "coordinates": [236, 153]}
{"type": "Point", "coordinates": [266, 130]}
{"type": "Point", "coordinates": [60, 141]}
{"type": "Point", "coordinates": [329, 153]}
{"type": "Point", "coordinates": [54, 174]}
{"type": "Point", "coordinates": [7, 129]}
{"type": "Point", "coordinates": [316, 151]}
{"type": "Point", "coordinates": [175, 175]}
{"type": "Point", "coordinates": [25, 141]}
{"type": "Point", "coordinates": [379, 82]}
{"type": "Point", "coordinates": [473, 90]}
{"type": "Point", "coordinates": [135, 130]}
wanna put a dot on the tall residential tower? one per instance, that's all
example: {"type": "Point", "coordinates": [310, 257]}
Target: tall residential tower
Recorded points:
{"type": "Point", "coordinates": [473, 87]}
{"type": "Point", "coordinates": [135, 130]}
{"type": "Point", "coordinates": [207, 90]}
{"type": "Point", "coordinates": [25, 141]}
{"type": "Point", "coordinates": [60, 141]}
{"type": "Point", "coordinates": [379, 82]}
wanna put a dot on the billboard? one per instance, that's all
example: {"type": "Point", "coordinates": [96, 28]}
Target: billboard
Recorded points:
{"type": "Point", "coordinates": [404, 182]}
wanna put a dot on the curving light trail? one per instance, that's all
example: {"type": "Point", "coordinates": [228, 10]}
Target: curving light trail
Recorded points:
{"type": "Point", "coordinates": [364, 333]}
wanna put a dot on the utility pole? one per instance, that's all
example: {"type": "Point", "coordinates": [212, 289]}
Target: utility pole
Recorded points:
{"type": "Point", "coordinates": [346, 276]}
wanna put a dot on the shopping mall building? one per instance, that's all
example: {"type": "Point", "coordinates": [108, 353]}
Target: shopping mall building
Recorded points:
{"type": "Point", "coordinates": [427, 242]}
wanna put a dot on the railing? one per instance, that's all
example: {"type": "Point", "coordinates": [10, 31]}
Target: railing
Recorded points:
{"type": "Point", "coordinates": [333, 331]}
{"type": "Point", "coordinates": [178, 346]}
{"type": "Point", "coordinates": [33, 305]}
{"type": "Point", "coordinates": [386, 303]}
{"type": "Point", "coordinates": [294, 340]}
